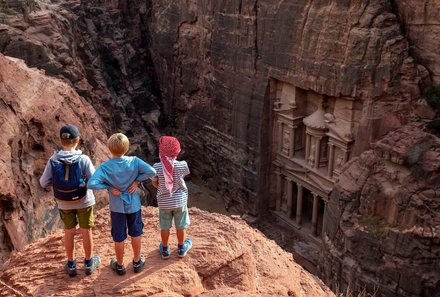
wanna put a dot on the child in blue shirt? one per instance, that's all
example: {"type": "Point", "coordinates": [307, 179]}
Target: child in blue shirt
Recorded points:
{"type": "Point", "coordinates": [121, 176]}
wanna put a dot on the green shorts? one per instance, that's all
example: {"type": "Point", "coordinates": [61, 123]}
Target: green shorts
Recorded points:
{"type": "Point", "coordinates": [180, 215]}
{"type": "Point", "coordinates": [71, 217]}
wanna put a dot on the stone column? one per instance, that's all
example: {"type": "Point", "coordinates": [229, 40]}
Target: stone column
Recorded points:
{"type": "Point", "coordinates": [325, 210]}
{"type": "Point", "coordinates": [315, 215]}
{"type": "Point", "coordinates": [292, 143]}
{"type": "Point", "coordinates": [331, 160]}
{"type": "Point", "coordinates": [299, 202]}
{"type": "Point", "coordinates": [289, 197]}
{"type": "Point", "coordinates": [280, 136]}
{"type": "Point", "coordinates": [317, 152]}
{"type": "Point", "coordinates": [307, 148]}
{"type": "Point", "coordinates": [279, 190]}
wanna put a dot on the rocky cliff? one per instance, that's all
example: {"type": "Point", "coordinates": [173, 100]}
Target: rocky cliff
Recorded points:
{"type": "Point", "coordinates": [203, 69]}
{"type": "Point", "coordinates": [33, 107]}
{"type": "Point", "coordinates": [383, 218]}
{"type": "Point", "coordinates": [228, 258]}
{"type": "Point", "coordinates": [206, 70]}
{"type": "Point", "coordinates": [215, 61]}
{"type": "Point", "coordinates": [98, 48]}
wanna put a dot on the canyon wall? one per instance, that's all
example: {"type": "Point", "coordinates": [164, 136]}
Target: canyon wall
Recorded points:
{"type": "Point", "coordinates": [382, 221]}
{"type": "Point", "coordinates": [33, 107]}
{"type": "Point", "coordinates": [214, 61]}
{"type": "Point", "coordinates": [205, 70]}
{"type": "Point", "coordinates": [100, 54]}
{"type": "Point", "coordinates": [98, 48]}
{"type": "Point", "coordinates": [421, 23]}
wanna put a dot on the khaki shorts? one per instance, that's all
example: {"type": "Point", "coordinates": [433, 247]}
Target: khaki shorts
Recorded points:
{"type": "Point", "coordinates": [180, 216]}
{"type": "Point", "coordinates": [71, 217]}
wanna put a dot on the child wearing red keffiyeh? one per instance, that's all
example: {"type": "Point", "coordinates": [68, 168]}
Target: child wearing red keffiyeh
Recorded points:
{"type": "Point", "coordinates": [172, 196]}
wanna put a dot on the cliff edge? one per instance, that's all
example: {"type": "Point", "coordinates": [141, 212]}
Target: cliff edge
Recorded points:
{"type": "Point", "coordinates": [228, 258]}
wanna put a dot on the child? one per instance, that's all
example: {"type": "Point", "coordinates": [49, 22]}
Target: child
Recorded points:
{"type": "Point", "coordinates": [75, 203]}
{"type": "Point", "coordinates": [172, 196]}
{"type": "Point", "coordinates": [121, 175]}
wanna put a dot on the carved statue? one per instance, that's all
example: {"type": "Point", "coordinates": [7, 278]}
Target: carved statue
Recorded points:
{"type": "Point", "coordinates": [338, 128]}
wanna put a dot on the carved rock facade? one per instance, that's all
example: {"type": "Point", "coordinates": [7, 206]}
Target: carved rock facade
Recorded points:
{"type": "Point", "coordinates": [382, 224]}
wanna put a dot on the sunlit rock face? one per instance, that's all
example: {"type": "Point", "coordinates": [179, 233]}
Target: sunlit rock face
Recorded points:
{"type": "Point", "coordinates": [101, 49]}
{"type": "Point", "coordinates": [266, 96]}
{"type": "Point", "coordinates": [33, 108]}
{"type": "Point", "coordinates": [228, 258]}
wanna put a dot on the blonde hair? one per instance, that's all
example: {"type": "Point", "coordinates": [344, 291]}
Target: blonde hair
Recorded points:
{"type": "Point", "coordinates": [118, 144]}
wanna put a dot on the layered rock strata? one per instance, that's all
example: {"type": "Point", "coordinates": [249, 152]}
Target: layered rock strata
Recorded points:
{"type": "Point", "coordinates": [382, 223]}
{"type": "Point", "coordinates": [101, 49]}
{"type": "Point", "coordinates": [215, 60]}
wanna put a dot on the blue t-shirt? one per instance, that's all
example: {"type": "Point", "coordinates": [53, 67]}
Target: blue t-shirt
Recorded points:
{"type": "Point", "coordinates": [120, 173]}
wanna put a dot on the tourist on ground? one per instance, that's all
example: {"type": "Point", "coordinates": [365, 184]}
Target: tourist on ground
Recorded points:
{"type": "Point", "coordinates": [67, 172]}
{"type": "Point", "coordinates": [172, 196]}
{"type": "Point", "coordinates": [121, 176]}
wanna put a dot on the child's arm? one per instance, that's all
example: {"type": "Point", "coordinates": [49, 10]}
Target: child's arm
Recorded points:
{"type": "Point", "coordinates": [89, 168]}
{"type": "Point", "coordinates": [155, 183]}
{"type": "Point", "coordinates": [145, 171]}
{"type": "Point", "coordinates": [46, 178]}
{"type": "Point", "coordinates": [186, 170]}
{"type": "Point", "coordinates": [97, 181]}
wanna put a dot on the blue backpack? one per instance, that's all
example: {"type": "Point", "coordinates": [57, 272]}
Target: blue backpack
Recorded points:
{"type": "Point", "coordinates": [68, 181]}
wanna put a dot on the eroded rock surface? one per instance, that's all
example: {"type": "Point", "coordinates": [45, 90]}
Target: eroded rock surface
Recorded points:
{"type": "Point", "coordinates": [216, 63]}
{"type": "Point", "coordinates": [33, 107]}
{"type": "Point", "coordinates": [382, 225]}
{"type": "Point", "coordinates": [228, 258]}
{"type": "Point", "coordinates": [99, 48]}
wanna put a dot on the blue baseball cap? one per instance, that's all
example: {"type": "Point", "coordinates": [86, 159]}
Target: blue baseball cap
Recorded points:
{"type": "Point", "coordinates": [69, 132]}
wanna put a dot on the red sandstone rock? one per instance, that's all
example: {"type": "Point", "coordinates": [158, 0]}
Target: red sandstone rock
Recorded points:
{"type": "Point", "coordinates": [228, 258]}
{"type": "Point", "coordinates": [382, 224]}
{"type": "Point", "coordinates": [33, 107]}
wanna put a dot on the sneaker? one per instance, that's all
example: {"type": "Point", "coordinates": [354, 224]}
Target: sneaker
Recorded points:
{"type": "Point", "coordinates": [165, 253]}
{"type": "Point", "coordinates": [96, 260]}
{"type": "Point", "coordinates": [117, 268]}
{"type": "Point", "coordinates": [137, 266]}
{"type": "Point", "coordinates": [183, 250]}
{"type": "Point", "coordinates": [71, 269]}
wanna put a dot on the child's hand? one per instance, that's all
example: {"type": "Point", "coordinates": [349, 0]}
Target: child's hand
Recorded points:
{"type": "Point", "coordinates": [115, 192]}
{"type": "Point", "coordinates": [155, 183]}
{"type": "Point", "coordinates": [132, 188]}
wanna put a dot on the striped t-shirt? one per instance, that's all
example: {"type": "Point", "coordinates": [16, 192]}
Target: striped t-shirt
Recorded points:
{"type": "Point", "coordinates": [179, 197]}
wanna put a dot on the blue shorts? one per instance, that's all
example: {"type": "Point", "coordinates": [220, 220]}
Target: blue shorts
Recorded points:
{"type": "Point", "coordinates": [180, 215]}
{"type": "Point", "coordinates": [122, 221]}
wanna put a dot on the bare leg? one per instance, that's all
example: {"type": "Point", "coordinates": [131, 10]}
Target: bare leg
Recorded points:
{"type": "Point", "coordinates": [119, 250]}
{"type": "Point", "coordinates": [69, 236]}
{"type": "Point", "coordinates": [164, 234]}
{"type": "Point", "coordinates": [180, 236]}
{"type": "Point", "coordinates": [136, 243]}
{"type": "Point", "coordinates": [87, 237]}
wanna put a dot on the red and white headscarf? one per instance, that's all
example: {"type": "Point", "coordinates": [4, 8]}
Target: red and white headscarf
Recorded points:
{"type": "Point", "coordinates": [169, 148]}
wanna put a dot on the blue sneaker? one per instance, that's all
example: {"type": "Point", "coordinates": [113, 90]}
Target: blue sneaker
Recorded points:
{"type": "Point", "coordinates": [137, 266]}
{"type": "Point", "coordinates": [183, 250]}
{"type": "Point", "coordinates": [96, 260]}
{"type": "Point", "coordinates": [165, 253]}
{"type": "Point", "coordinates": [119, 269]}
{"type": "Point", "coordinates": [71, 269]}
